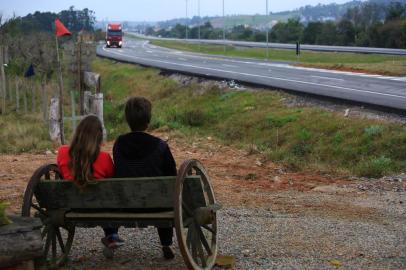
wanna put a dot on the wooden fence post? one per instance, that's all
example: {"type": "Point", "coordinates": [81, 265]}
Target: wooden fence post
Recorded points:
{"type": "Point", "coordinates": [3, 80]}
{"type": "Point", "coordinates": [17, 96]}
{"type": "Point", "coordinates": [33, 102]}
{"type": "Point", "coordinates": [97, 109]}
{"type": "Point", "coordinates": [87, 106]}
{"type": "Point", "coordinates": [72, 98]}
{"type": "Point", "coordinates": [25, 99]}
{"type": "Point", "coordinates": [10, 90]}
{"type": "Point", "coordinates": [54, 121]}
{"type": "Point", "coordinates": [44, 102]}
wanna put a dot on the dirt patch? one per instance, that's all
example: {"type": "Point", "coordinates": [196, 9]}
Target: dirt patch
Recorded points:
{"type": "Point", "coordinates": [278, 219]}
{"type": "Point", "coordinates": [240, 179]}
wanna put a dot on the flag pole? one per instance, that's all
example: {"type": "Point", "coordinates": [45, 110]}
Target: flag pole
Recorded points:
{"type": "Point", "coordinates": [61, 126]}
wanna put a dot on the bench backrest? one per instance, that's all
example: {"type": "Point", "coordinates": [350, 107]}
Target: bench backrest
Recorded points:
{"type": "Point", "coordinates": [126, 194]}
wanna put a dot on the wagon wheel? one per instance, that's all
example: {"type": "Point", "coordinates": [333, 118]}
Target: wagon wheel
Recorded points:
{"type": "Point", "coordinates": [196, 227]}
{"type": "Point", "coordinates": [57, 238]}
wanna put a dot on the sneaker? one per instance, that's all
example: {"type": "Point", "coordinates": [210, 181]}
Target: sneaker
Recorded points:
{"type": "Point", "coordinates": [112, 241]}
{"type": "Point", "coordinates": [168, 252]}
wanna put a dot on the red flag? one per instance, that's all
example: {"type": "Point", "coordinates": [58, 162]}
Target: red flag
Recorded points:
{"type": "Point", "coordinates": [60, 29]}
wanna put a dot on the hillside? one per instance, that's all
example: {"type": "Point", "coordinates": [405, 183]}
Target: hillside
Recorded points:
{"type": "Point", "coordinates": [306, 14]}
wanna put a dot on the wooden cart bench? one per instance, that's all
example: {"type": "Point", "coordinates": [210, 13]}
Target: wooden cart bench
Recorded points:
{"type": "Point", "coordinates": [185, 202]}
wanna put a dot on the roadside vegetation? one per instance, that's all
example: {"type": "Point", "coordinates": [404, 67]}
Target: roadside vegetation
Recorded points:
{"type": "Point", "coordinates": [370, 63]}
{"type": "Point", "coordinates": [301, 138]}
{"type": "Point", "coordinates": [23, 133]}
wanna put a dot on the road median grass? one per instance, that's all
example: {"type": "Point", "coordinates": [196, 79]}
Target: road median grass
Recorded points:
{"type": "Point", "coordinates": [391, 65]}
{"type": "Point", "coordinates": [301, 138]}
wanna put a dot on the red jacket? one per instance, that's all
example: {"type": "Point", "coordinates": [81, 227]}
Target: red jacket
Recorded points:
{"type": "Point", "coordinates": [103, 167]}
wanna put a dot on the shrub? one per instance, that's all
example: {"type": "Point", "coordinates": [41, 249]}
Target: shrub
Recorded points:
{"type": "Point", "coordinates": [373, 131]}
{"type": "Point", "coordinates": [374, 167]}
{"type": "Point", "coordinates": [193, 118]}
{"type": "Point", "coordinates": [275, 121]}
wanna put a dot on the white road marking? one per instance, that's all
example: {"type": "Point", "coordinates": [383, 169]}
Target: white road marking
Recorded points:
{"type": "Point", "coordinates": [260, 76]}
{"type": "Point", "coordinates": [326, 78]}
{"type": "Point", "coordinates": [225, 65]}
{"type": "Point", "coordinates": [358, 74]}
{"type": "Point", "coordinates": [149, 51]}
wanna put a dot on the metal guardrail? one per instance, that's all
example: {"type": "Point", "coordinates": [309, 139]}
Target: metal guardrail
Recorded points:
{"type": "Point", "coordinates": [320, 48]}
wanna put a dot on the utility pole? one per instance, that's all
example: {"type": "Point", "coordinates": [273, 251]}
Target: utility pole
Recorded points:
{"type": "Point", "coordinates": [186, 20]}
{"type": "Point", "coordinates": [224, 28]}
{"type": "Point", "coordinates": [267, 30]}
{"type": "Point", "coordinates": [198, 11]}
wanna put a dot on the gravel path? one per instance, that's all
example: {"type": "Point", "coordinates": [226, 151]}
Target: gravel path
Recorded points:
{"type": "Point", "coordinates": [261, 238]}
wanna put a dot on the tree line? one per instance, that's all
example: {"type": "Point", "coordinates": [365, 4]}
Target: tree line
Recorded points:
{"type": "Point", "coordinates": [30, 38]}
{"type": "Point", "coordinates": [370, 24]}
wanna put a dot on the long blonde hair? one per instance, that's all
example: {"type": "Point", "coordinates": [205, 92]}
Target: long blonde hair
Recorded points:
{"type": "Point", "coordinates": [84, 149]}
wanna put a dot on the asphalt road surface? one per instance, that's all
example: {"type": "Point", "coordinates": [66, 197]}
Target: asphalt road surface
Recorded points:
{"type": "Point", "coordinates": [378, 90]}
{"type": "Point", "coordinates": [319, 48]}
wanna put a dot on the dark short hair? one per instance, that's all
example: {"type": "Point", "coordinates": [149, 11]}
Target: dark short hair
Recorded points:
{"type": "Point", "coordinates": [138, 113]}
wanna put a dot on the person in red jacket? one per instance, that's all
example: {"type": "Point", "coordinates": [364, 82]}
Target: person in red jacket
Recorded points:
{"type": "Point", "coordinates": [83, 162]}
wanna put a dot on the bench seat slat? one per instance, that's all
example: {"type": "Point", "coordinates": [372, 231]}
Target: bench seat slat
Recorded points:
{"type": "Point", "coordinates": [115, 194]}
{"type": "Point", "coordinates": [121, 216]}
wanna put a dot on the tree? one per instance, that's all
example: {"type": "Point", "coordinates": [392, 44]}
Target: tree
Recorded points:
{"type": "Point", "coordinates": [328, 35]}
{"type": "Point", "coordinates": [312, 32]}
{"type": "Point", "coordinates": [288, 32]}
{"type": "Point", "coordinates": [395, 11]}
{"type": "Point", "coordinates": [345, 33]}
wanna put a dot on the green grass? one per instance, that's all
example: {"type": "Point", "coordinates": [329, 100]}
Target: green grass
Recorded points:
{"type": "Point", "coordinates": [23, 133]}
{"type": "Point", "coordinates": [4, 220]}
{"type": "Point", "coordinates": [304, 138]}
{"type": "Point", "coordinates": [374, 63]}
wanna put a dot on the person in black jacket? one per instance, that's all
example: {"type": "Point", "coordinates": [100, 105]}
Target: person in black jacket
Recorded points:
{"type": "Point", "coordinates": [139, 154]}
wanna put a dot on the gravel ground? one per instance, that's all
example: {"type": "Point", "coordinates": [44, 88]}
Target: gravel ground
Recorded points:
{"type": "Point", "coordinates": [279, 220]}
{"type": "Point", "coordinates": [262, 238]}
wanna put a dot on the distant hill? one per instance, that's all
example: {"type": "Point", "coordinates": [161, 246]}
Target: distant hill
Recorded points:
{"type": "Point", "coordinates": [307, 13]}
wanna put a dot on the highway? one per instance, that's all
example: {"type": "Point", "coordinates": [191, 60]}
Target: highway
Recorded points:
{"type": "Point", "coordinates": [377, 90]}
{"type": "Point", "coordinates": [319, 48]}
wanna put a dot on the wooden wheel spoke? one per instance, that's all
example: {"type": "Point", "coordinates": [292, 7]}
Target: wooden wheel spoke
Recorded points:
{"type": "Point", "coordinates": [193, 242]}
{"type": "Point", "coordinates": [189, 239]}
{"type": "Point", "coordinates": [188, 222]}
{"type": "Point", "coordinates": [199, 247]}
{"type": "Point", "coordinates": [47, 243]}
{"type": "Point", "coordinates": [54, 248]}
{"type": "Point", "coordinates": [60, 240]}
{"type": "Point", "coordinates": [39, 209]}
{"type": "Point", "coordinates": [44, 231]}
{"type": "Point", "coordinates": [208, 228]}
{"type": "Point", "coordinates": [204, 240]}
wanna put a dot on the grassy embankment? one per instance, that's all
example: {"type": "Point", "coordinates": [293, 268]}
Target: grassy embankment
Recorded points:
{"type": "Point", "coordinates": [23, 133]}
{"type": "Point", "coordinates": [370, 63]}
{"type": "Point", "coordinates": [302, 138]}
{"type": "Point", "coordinates": [26, 131]}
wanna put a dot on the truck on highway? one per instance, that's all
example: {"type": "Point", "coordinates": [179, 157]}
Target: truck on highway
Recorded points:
{"type": "Point", "coordinates": [114, 35]}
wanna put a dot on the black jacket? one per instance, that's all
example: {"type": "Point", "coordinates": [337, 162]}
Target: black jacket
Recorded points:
{"type": "Point", "coordinates": [139, 154]}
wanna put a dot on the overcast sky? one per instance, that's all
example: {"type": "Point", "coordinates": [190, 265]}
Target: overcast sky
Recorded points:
{"type": "Point", "coordinates": [153, 10]}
